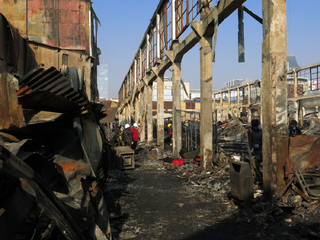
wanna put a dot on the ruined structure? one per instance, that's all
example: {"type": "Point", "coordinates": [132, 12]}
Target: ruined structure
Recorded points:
{"type": "Point", "coordinates": [162, 47]}
{"type": "Point", "coordinates": [51, 143]}
{"type": "Point", "coordinates": [61, 34]}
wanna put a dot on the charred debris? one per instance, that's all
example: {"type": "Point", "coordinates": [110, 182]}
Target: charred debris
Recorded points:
{"type": "Point", "coordinates": [234, 178]}
{"type": "Point", "coordinates": [52, 150]}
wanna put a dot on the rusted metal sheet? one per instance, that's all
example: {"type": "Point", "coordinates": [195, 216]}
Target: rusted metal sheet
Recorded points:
{"type": "Point", "coordinates": [91, 140]}
{"type": "Point", "coordinates": [16, 57]}
{"type": "Point", "coordinates": [304, 152]}
{"type": "Point", "coordinates": [5, 137]}
{"type": "Point", "coordinates": [44, 89]}
{"type": "Point", "coordinates": [36, 117]}
{"type": "Point", "coordinates": [59, 23]}
{"type": "Point", "coordinates": [33, 185]}
{"type": "Point", "coordinates": [10, 110]}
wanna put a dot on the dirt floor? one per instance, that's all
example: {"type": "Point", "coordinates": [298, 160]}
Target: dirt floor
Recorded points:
{"type": "Point", "coordinates": [158, 201]}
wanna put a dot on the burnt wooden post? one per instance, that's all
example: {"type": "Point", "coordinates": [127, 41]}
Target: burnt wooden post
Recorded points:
{"type": "Point", "coordinates": [274, 94]}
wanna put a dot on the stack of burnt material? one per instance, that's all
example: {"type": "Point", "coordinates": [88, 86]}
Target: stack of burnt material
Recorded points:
{"type": "Point", "coordinates": [53, 159]}
{"type": "Point", "coordinates": [302, 171]}
{"type": "Point", "coordinates": [232, 138]}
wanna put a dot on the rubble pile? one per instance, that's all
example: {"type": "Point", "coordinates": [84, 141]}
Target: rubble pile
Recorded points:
{"type": "Point", "coordinates": [214, 181]}
{"type": "Point", "coordinates": [298, 203]}
{"type": "Point", "coordinates": [52, 163]}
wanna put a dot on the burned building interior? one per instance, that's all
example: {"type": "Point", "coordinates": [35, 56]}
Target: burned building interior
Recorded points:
{"type": "Point", "coordinates": [60, 170]}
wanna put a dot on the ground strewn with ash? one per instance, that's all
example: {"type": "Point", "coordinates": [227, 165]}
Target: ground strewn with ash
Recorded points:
{"type": "Point", "coordinates": [159, 201]}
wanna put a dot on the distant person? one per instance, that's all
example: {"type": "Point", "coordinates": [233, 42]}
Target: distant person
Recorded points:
{"type": "Point", "coordinates": [170, 129]}
{"type": "Point", "coordinates": [255, 144]}
{"type": "Point", "coordinates": [293, 128]}
{"type": "Point", "coordinates": [135, 136]}
{"type": "Point", "coordinates": [168, 135]}
{"type": "Point", "coordinates": [255, 137]}
{"type": "Point", "coordinates": [127, 136]}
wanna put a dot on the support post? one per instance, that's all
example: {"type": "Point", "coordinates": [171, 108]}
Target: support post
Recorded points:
{"type": "Point", "coordinates": [249, 102]}
{"type": "Point", "coordinates": [274, 94]}
{"type": "Point", "coordinates": [149, 114]}
{"type": "Point", "coordinates": [137, 109]}
{"type": "Point", "coordinates": [142, 129]}
{"type": "Point", "coordinates": [176, 107]}
{"type": "Point", "coordinates": [206, 102]}
{"type": "Point", "coordinates": [160, 111]}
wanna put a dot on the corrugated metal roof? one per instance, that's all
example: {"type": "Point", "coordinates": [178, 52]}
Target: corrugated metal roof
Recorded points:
{"type": "Point", "coordinates": [52, 81]}
{"type": "Point", "coordinates": [50, 90]}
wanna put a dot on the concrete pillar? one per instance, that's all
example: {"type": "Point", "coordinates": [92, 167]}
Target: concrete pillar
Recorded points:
{"type": "Point", "coordinates": [238, 100]}
{"type": "Point", "coordinates": [129, 113]}
{"type": "Point", "coordinates": [142, 115]}
{"type": "Point", "coordinates": [229, 103]}
{"type": "Point", "coordinates": [206, 101]}
{"type": "Point", "coordinates": [249, 102]}
{"type": "Point", "coordinates": [125, 112]}
{"type": "Point", "coordinates": [137, 109]}
{"type": "Point", "coordinates": [302, 111]}
{"type": "Point", "coordinates": [274, 95]}
{"type": "Point", "coordinates": [295, 74]}
{"type": "Point", "coordinates": [296, 103]}
{"type": "Point", "coordinates": [296, 106]}
{"type": "Point", "coordinates": [149, 114]}
{"type": "Point", "coordinates": [176, 105]}
{"type": "Point", "coordinates": [160, 111]}
{"type": "Point", "coordinates": [221, 106]}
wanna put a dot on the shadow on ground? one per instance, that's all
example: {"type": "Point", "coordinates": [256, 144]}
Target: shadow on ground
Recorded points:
{"type": "Point", "coordinates": [152, 203]}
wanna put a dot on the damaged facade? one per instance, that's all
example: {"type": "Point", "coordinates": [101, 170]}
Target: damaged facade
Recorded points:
{"type": "Point", "coordinates": [52, 153]}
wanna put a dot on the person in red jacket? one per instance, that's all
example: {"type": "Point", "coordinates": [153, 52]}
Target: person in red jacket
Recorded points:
{"type": "Point", "coordinates": [135, 136]}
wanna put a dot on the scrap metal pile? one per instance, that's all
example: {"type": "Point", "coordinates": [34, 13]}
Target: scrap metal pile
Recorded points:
{"type": "Point", "coordinates": [52, 151]}
{"type": "Point", "coordinates": [53, 164]}
{"type": "Point", "coordinates": [301, 174]}
{"type": "Point", "coordinates": [301, 170]}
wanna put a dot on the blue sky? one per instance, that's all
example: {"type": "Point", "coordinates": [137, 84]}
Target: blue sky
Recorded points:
{"type": "Point", "coordinates": [125, 22]}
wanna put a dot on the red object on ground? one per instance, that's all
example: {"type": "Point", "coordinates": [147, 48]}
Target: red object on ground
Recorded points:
{"type": "Point", "coordinates": [178, 162]}
{"type": "Point", "coordinates": [197, 159]}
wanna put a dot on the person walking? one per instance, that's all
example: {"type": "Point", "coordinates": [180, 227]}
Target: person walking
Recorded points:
{"type": "Point", "coordinates": [135, 136]}
{"type": "Point", "coordinates": [127, 136]}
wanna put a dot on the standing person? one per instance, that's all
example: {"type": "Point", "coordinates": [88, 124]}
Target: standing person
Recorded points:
{"type": "Point", "coordinates": [293, 128]}
{"type": "Point", "coordinates": [255, 144]}
{"type": "Point", "coordinates": [135, 136]}
{"type": "Point", "coordinates": [168, 136]}
{"type": "Point", "coordinates": [255, 137]}
{"type": "Point", "coordinates": [127, 136]}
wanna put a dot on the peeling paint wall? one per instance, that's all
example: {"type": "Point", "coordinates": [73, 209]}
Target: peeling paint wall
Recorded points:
{"type": "Point", "coordinates": [59, 34]}
{"type": "Point", "coordinates": [57, 23]}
